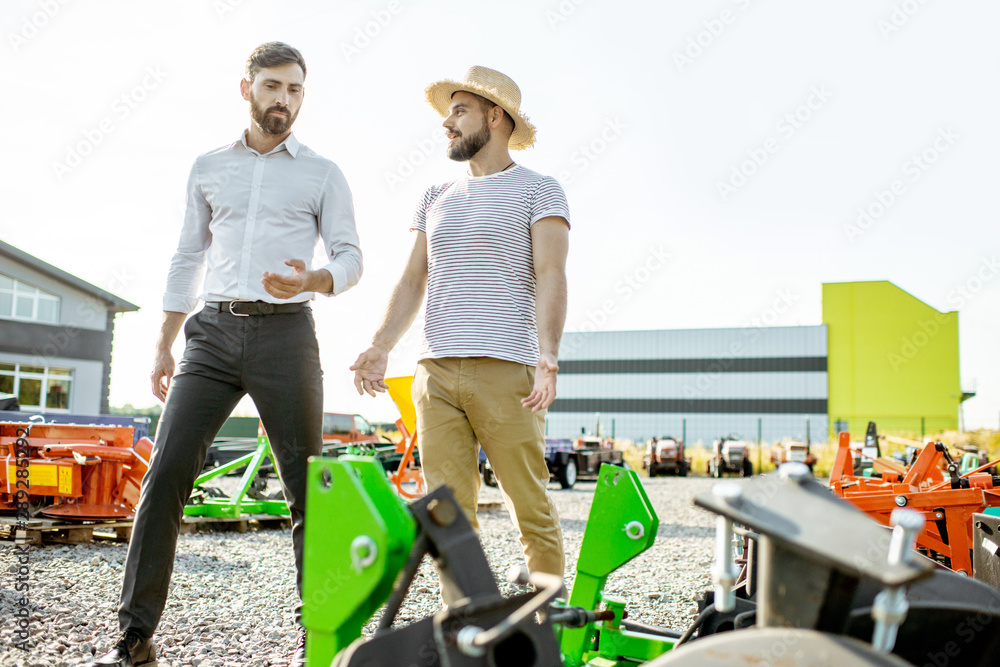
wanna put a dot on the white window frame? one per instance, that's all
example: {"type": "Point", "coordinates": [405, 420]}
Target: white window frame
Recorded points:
{"type": "Point", "coordinates": [44, 376]}
{"type": "Point", "coordinates": [22, 289]}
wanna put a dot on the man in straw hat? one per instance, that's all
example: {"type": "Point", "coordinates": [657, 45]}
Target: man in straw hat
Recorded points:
{"type": "Point", "coordinates": [490, 253]}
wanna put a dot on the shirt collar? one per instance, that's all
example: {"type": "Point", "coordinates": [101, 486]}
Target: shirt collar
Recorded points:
{"type": "Point", "coordinates": [290, 144]}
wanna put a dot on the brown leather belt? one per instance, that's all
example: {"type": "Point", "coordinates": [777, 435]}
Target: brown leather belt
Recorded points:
{"type": "Point", "coordinates": [248, 308]}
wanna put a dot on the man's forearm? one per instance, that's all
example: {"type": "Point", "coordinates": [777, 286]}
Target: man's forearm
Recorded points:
{"type": "Point", "coordinates": [169, 328]}
{"type": "Point", "coordinates": [404, 304]}
{"type": "Point", "coordinates": [320, 281]}
{"type": "Point", "coordinates": [550, 310]}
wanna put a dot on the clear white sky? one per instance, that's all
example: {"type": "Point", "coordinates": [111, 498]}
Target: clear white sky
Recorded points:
{"type": "Point", "coordinates": [643, 110]}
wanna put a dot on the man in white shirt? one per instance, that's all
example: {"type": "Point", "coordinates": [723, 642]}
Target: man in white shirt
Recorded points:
{"type": "Point", "coordinates": [490, 254]}
{"type": "Point", "coordinates": [254, 208]}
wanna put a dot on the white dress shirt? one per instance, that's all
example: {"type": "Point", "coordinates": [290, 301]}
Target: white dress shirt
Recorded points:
{"type": "Point", "coordinates": [247, 213]}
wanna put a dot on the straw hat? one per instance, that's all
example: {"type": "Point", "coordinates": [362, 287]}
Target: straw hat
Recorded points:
{"type": "Point", "coordinates": [494, 86]}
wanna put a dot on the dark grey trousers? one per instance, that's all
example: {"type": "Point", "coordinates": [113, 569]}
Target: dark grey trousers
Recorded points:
{"type": "Point", "coordinates": [275, 359]}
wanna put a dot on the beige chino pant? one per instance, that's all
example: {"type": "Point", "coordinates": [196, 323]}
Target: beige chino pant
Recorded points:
{"type": "Point", "coordinates": [465, 402]}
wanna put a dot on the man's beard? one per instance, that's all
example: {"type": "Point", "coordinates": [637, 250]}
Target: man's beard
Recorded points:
{"type": "Point", "coordinates": [467, 147]}
{"type": "Point", "coordinates": [268, 123]}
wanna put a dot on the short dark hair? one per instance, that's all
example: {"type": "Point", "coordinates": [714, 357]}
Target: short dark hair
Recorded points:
{"type": "Point", "coordinates": [487, 106]}
{"type": "Point", "coordinates": [273, 54]}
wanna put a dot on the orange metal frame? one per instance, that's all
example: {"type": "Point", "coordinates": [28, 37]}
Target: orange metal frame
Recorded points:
{"type": "Point", "coordinates": [924, 488]}
{"type": "Point", "coordinates": [70, 464]}
{"type": "Point", "coordinates": [407, 470]}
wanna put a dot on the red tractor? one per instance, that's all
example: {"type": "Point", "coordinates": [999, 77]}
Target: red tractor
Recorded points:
{"type": "Point", "coordinates": [666, 455]}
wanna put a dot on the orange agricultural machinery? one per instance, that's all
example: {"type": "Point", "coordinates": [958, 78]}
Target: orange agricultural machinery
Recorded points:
{"type": "Point", "coordinates": [930, 484]}
{"type": "Point", "coordinates": [408, 470]}
{"type": "Point", "coordinates": [91, 472]}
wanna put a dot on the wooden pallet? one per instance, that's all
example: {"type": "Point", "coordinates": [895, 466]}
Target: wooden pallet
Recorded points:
{"type": "Point", "coordinates": [38, 532]}
{"type": "Point", "coordinates": [192, 524]}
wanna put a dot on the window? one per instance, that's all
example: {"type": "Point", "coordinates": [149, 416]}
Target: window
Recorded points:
{"type": "Point", "coordinates": [334, 423]}
{"type": "Point", "coordinates": [21, 301]}
{"type": "Point", "coordinates": [362, 426]}
{"type": "Point", "coordinates": [37, 387]}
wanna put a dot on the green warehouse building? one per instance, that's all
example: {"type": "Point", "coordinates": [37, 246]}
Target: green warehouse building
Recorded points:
{"type": "Point", "coordinates": [891, 358]}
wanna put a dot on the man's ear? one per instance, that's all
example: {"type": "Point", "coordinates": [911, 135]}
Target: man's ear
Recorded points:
{"type": "Point", "coordinates": [496, 117]}
{"type": "Point", "coordinates": [245, 89]}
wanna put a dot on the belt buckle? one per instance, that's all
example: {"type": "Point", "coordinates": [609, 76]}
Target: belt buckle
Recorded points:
{"type": "Point", "coordinates": [234, 313]}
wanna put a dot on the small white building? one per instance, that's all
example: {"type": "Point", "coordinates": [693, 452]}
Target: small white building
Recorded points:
{"type": "Point", "coordinates": [56, 333]}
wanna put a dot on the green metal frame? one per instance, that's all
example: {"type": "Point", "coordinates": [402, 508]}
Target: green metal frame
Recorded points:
{"type": "Point", "coordinates": [622, 524]}
{"type": "Point", "coordinates": [358, 538]}
{"type": "Point", "coordinates": [360, 534]}
{"type": "Point", "coordinates": [237, 504]}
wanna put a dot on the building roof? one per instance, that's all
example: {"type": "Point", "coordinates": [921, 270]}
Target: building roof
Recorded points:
{"type": "Point", "coordinates": [115, 304]}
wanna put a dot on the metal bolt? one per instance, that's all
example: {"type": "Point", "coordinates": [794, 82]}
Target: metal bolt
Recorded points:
{"type": "Point", "coordinates": [635, 530]}
{"type": "Point", "coordinates": [901, 501]}
{"type": "Point", "coordinates": [724, 571]}
{"type": "Point", "coordinates": [729, 492]}
{"type": "Point", "coordinates": [443, 512]}
{"type": "Point", "coordinates": [794, 471]}
{"type": "Point", "coordinates": [364, 551]}
{"type": "Point", "coordinates": [938, 515]}
{"type": "Point", "coordinates": [907, 524]}
{"type": "Point", "coordinates": [467, 641]}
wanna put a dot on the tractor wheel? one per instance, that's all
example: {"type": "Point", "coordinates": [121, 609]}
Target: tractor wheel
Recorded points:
{"type": "Point", "coordinates": [652, 470]}
{"type": "Point", "coordinates": [682, 469]}
{"type": "Point", "coordinates": [747, 468]}
{"type": "Point", "coordinates": [567, 475]}
{"type": "Point", "coordinates": [489, 479]}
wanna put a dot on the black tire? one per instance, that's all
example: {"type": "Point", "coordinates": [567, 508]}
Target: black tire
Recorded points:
{"type": "Point", "coordinates": [567, 474]}
{"type": "Point", "coordinates": [682, 469]}
{"type": "Point", "coordinates": [747, 468]}
{"type": "Point", "coordinates": [653, 471]}
{"type": "Point", "coordinates": [489, 479]}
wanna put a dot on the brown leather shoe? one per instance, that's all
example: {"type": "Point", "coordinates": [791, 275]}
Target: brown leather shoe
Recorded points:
{"type": "Point", "coordinates": [131, 650]}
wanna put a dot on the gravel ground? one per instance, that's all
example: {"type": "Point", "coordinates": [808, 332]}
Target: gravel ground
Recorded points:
{"type": "Point", "coordinates": [231, 595]}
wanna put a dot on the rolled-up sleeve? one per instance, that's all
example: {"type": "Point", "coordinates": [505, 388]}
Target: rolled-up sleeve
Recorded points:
{"type": "Point", "coordinates": [339, 232]}
{"type": "Point", "coordinates": [187, 267]}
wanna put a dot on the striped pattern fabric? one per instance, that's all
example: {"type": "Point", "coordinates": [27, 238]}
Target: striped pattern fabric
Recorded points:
{"type": "Point", "coordinates": [481, 282]}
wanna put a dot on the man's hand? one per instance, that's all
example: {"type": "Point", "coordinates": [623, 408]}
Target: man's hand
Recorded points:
{"type": "Point", "coordinates": [163, 372]}
{"type": "Point", "coordinates": [369, 371]}
{"type": "Point", "coordinates": [544, 391]}
{"type": "Point", "coordinates": [301, 280]}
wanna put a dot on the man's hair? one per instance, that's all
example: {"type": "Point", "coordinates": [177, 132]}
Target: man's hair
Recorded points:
{"type": "Point", "coordinates": [273, 54]}
{"type": "Point", "coordinates": [487, 106]}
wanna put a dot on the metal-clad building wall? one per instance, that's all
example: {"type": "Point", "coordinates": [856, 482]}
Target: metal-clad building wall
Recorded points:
{"type": "Point", "coordinates": [702, 383]}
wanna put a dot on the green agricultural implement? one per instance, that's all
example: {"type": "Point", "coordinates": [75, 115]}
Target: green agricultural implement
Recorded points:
{"type": "Point", "coordinates": [818, 583]}
{"type": "Point", "coordinates": [241, 503]}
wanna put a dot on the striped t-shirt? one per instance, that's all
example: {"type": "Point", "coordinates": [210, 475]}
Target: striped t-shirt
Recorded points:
{"type": "Point", "coordinates": [480, 273]}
